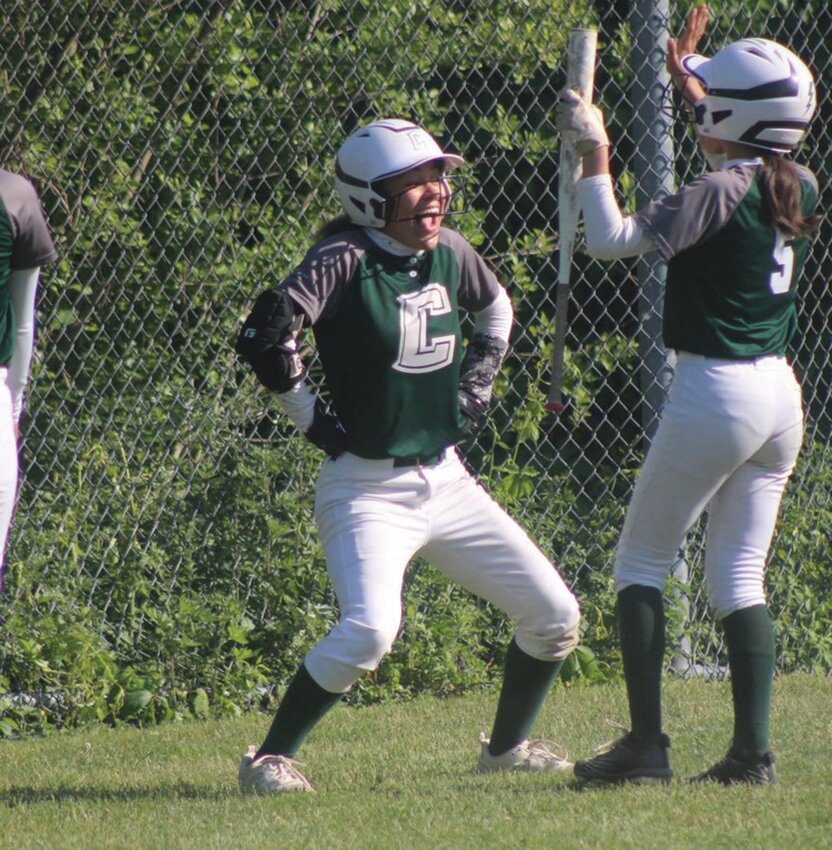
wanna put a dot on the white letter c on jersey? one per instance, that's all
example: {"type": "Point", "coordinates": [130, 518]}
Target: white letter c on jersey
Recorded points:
{"type": "Point", "coordinates": [418, 350]}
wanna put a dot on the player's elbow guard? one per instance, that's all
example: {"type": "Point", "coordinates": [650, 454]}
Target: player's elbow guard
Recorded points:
{"type": "Point", "coordinates": [268, 341]}
{"type": "Point", "coordinates": [278, 369]}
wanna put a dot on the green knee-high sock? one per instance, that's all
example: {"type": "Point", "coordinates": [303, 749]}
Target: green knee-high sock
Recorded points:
{"type": "Point", "coordinates": [526, 683]}
{"type": "Point", "coordinates": [641, 628]}
{"type": "Point", "coordinates": [749, 635]}
{"type": "Point", "coordinates": [303, 705]}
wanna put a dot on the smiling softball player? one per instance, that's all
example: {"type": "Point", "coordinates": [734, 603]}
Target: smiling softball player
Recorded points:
{"type": "Point", "coordinates": [383, 290]}
{"type": "Point", "coordinates": [735, 241]}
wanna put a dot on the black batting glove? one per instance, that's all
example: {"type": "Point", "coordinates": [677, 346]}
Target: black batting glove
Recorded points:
{"type": "Point", "coordinates": [473, 412]}
{"type": "Point", "coordinates": [326, 431]}
{"type": "Point", "coordinates": [478, 372]}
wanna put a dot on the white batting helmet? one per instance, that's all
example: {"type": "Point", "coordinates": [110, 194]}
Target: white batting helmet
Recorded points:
{"type": "Point", "coordinates": [757, 92]}
{"type": "Point", "coordinates": [374, 153]}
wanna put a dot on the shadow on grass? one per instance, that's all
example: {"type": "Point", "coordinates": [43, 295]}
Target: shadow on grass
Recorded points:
{"type": "Point", "coordinates": [524, 782]}
{"type": "Point", "coordinates": [24, 796]}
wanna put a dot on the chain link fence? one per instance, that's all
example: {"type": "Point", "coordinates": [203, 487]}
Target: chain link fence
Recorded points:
{"type": "Point", "coordinates": [183, 152]}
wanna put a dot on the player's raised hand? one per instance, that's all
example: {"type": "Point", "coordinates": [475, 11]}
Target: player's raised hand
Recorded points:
{"type": "Point", "coordinates": [688, 41]}
{"type": "Point", "coordinates": [581, 123]}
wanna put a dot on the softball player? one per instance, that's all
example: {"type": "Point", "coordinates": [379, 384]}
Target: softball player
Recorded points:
{"type": "Point", "coordinates": [735, 241]}
{"type": "Point", "coordinates": [25, 246]}
{"type": "Point", "coordinates": [383, 290]}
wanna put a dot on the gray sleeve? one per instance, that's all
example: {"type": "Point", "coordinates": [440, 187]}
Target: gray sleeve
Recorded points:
{"type": "Point", "coordinates": [696, 212]}
{"type": "Point", "coordinates": [33, 246]}
{"type": "Point", "coordinates": [478, 285]}
{"type": "Point", "coordinates": [317, 284]}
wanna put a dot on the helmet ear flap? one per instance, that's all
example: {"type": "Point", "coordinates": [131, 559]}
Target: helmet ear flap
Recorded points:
{"type": "Point", "coordinates": [379, 208]}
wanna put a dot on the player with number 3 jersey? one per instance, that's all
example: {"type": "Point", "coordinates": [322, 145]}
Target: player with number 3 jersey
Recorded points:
{"type": "Point", "coordinates": [735, 241]}
{"type": "Point", "coordinates": [383, 290]}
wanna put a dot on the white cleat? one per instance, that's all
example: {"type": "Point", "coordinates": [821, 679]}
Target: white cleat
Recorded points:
{"type": "Point", "coordinates": [270, 774]}
{"type": "Point", "coordinates": [529, 756]}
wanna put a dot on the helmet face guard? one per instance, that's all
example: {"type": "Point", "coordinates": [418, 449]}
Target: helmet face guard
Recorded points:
{"type": "Point", "coordinates": [454, 192]}
{"type": "Point", "coordinates": [673, 105]}
{"type": "Point", "coordinates": [758, 93]}
{"type": "Point", "coordinates": [376, 152]}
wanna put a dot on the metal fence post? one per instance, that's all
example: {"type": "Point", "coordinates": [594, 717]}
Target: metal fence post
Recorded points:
{"type": "Point", "coordinates": [652, 166]}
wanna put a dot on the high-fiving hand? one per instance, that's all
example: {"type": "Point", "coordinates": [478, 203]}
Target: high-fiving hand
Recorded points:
{"type": "Point", "coordinates": [688, 41]}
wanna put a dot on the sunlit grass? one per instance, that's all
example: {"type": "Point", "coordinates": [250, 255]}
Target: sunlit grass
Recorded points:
{"type": "Point", "coordinates": [400, 775]}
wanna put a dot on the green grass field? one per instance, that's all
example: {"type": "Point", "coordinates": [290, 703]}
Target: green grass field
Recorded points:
{"type": "Point", "coordinates": [400, 776]}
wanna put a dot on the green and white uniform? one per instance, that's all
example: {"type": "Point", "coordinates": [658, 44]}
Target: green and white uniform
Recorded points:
{"type": "Point", "coordinates": [730, 277]}
{"type": "Point", "coordinates": [387, 327]}
{"type": "Point", "coordinates": [25, 246]}
{"type": "Point", "coordinates": [732, 426]}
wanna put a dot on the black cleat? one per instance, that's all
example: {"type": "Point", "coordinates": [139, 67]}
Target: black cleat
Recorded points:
{"type": "Point", "coordinates": [629, 760]}
{"type": "Point", "coordinates": [757, 770]}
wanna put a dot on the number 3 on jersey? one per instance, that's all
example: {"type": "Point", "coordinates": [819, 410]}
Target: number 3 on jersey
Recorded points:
{"type": "Point", "coordinates": [418, 350]}
{"type": "Point", "coordinates": [780, 279]}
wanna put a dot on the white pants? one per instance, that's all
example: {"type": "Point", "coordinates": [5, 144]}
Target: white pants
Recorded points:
{"type": "Point", "coordinates": [8, 465]}
{"type": "Point", "coordinates": [374, 518]}
{"type": "Point", "coordinates": [728, 440]}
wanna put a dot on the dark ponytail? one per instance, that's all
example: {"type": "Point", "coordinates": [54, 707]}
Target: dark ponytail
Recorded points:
{"type": "Point", "coordinates": [339, 224]}
{"type": "Point", "coordinates": [783, 194]}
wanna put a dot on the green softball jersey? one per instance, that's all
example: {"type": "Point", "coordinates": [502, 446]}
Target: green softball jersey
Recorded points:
{"type": "Point", "coordinates": [730, 277]}
{"type": "Point", "coordinates": [25, 243]}
{"type": "Point", "coordinates": [387, 329]}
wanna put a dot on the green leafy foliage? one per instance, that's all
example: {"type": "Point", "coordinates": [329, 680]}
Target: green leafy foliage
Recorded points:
{"type": "Point", "coordinates": [164, 561]}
